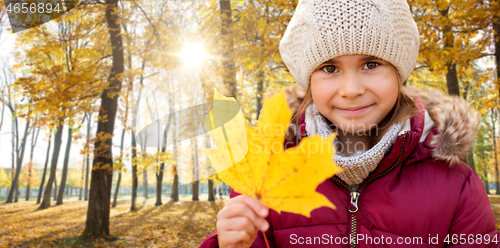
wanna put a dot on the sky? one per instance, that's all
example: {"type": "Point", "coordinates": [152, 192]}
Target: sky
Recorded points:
{"type": "Point", "coordinates": [6, 43]}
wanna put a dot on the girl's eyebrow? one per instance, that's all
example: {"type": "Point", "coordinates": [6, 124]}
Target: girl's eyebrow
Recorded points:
{"type": "Point", "coordinates": [363, 59]}
{"type": "Point", "coordinates": [369, 58]}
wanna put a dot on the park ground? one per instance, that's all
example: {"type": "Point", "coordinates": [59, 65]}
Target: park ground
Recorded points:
{"type": "Point", "coordinates": [173, 224]}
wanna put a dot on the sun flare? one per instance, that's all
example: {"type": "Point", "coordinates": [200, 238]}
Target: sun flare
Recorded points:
{"type": "Point", "coordinates": [193, 54]}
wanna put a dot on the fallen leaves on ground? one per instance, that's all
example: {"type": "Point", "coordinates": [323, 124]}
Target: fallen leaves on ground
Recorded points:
{"type": "Point", "coordinates": [174, 224]}
{"type": "Point", "coordinates": [181, 224]}
{"type": "Point", "coordinates": [495, 207]}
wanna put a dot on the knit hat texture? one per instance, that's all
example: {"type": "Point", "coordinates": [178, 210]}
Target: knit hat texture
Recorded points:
{"type": "Point", "coordinates": [325, 29]}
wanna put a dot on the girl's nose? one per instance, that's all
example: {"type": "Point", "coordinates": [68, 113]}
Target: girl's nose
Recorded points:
{"type": "Point", "coordinates": [351, 85]}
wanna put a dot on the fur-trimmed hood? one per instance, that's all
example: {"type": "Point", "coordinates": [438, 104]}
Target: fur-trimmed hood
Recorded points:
{"type": "Point", "coordinates": [452, 116]}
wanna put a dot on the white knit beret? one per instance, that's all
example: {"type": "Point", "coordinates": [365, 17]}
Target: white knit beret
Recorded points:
{"type": "Point", "coordinates": [321, 30]}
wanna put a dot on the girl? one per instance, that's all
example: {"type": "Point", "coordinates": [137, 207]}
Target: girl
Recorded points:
{"type": "Point", "coordinates": [403, 183]}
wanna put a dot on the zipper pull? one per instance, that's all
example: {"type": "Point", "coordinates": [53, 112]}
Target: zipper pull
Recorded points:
{"type": "Point", "coordinates": [354, 201]}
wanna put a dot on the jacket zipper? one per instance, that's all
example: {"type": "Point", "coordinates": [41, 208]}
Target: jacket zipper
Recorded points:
{"type": "Point", "coordinates": [355, 194]}
{"type": "Point", "coordinates": [354, 201]}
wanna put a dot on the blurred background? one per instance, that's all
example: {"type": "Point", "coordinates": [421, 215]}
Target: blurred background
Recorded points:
{"type": "Point", "coordinates": [53, 78]}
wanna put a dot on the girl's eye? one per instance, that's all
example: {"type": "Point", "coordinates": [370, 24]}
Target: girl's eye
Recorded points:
{"type": "Point", "coordinates": [371, 65]}
{"type": "Point", "coordinates": [329, 69]}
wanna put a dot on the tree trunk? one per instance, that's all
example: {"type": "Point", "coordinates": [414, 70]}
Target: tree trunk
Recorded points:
{"type": "Point", "coordinates": [44, 170]}
{"type": "Point", "coordinates": [454, 89]}
{"type": "Point", "coordinates": [87, 165]}
{"type": "Point", "coordinates": [494, 115]}
{"type": "Point", "coordinates": [27, 198]}
{"type": "Point", "coordinates": [83, 178]}
{"type": "Point", "coordinates": [159, 175]}
{"type": "Point", "coordinates": [175, 187]}
{"type": "Point", "coordinates": [196, 190]}
{"type": "Point", "coordinates": [55, 186]}
{"type": "Point", "coordinates": [134, 174]}
{"type": "Point", "coordinates": [53, 166]}
{"type": "Point", "coordinates": [145, 167]}
{"type": "Point", "coordinates": [145, 184]}
{"type": "Point", "coordinates": [496, 27]}
{"type": "Point", "coordinates": [83, 165]}
{"type": "Point", "coordinates": [13, 141]}
{"type": "Point", "coordinates": [448, 41]}
{"type": "Point", "coordinates": [451, 74]}
{"type": "Point", "coordinates": [17, 153]}
{"type": "Point", "coordinates": [260, 92]}
{"type": "Point", "coordinates": [211, 190]}
{"type": "Point", "coordinates": [226, 41]}
{"type": "Point", "coordinates": [210, 181]}
{"type": "Point", "coordinates": [117, 188]}
{"type": "Point", "coordinates": [16, 197]}
{"type": "Point", "coordinates": [97, 223]}
{"type": "Point", "coordinates": [34, 139]}
{"type": "Point", "coordinates": [486, 183]}
{"type": "Point", "coordinates": [196, 183]}
{"type": "Point", "coordinates": [159, 182]}
{"type": "Point", "coordinates": [452, 80]}
{"type": "Point", "coordinates": [15, 184]}
{"type": "Point", "coordinates": [120, 173]}
{"type": "Point", "coordinates": [175, 184]}
{"type": "Point", "coordinates": [65, 168]}
{"type": "Point", "coordinates": [470, 159]}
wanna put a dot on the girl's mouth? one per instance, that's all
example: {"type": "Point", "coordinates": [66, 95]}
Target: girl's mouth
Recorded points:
{"type": "Point", "coordinates": [355, 110]}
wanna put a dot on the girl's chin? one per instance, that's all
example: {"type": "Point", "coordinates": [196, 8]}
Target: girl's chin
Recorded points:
{"type": "Point", "coordinates": [358, 128]}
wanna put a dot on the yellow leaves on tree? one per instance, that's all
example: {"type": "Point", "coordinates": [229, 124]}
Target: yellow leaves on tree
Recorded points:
{"type": "Point", "coordinates": [283, 180]}
{"type": "Point", "coordinates": [28, 175]}
{"type": "Point", "coordinates": [5, 179]}
{"type": "Point", "coordinates": [145, 160]}
{"type": "Point", "coordinates": [63, 66]}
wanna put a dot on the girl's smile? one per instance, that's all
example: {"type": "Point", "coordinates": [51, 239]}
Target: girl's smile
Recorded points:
{"type": "Point", "coordinates": [355, 110]}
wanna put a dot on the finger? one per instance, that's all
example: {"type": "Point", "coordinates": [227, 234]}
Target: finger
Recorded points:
{"type": "Point", "coordinates": [231, 238]}
{"type": "Point", "coordinates": [259, 208]}
{"type": "Point", "coordinates": [241, 209]}
{"type": "Point", "coordinates": [239, 223]}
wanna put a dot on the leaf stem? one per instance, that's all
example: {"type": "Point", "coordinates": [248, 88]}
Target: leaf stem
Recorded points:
{"type": "Point", "coordinates": [265, 239]}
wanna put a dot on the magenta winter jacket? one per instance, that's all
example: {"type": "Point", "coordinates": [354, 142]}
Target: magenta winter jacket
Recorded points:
{"type": "Point", "coordinates": [414, 198]}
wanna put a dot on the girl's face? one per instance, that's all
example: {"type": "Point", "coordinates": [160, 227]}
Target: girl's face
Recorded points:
{"type": "Point", "coordinates": [355, 92]}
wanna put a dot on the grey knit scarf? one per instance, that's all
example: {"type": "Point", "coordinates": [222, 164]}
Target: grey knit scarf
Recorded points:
{"type": "Point", "coordinates": [361, 163]}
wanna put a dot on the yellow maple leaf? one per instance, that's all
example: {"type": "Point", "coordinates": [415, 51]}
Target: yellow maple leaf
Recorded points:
{"type": "Point", "coordinates": [283, 180]}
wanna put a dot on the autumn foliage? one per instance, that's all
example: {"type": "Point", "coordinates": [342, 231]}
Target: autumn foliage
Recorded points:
{"type": "Point", "coordinates": [55, 76]}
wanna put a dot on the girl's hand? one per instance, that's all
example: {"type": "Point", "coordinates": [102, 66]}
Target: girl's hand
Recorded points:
{"type": "Point", "coordinates": [239, 222]}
